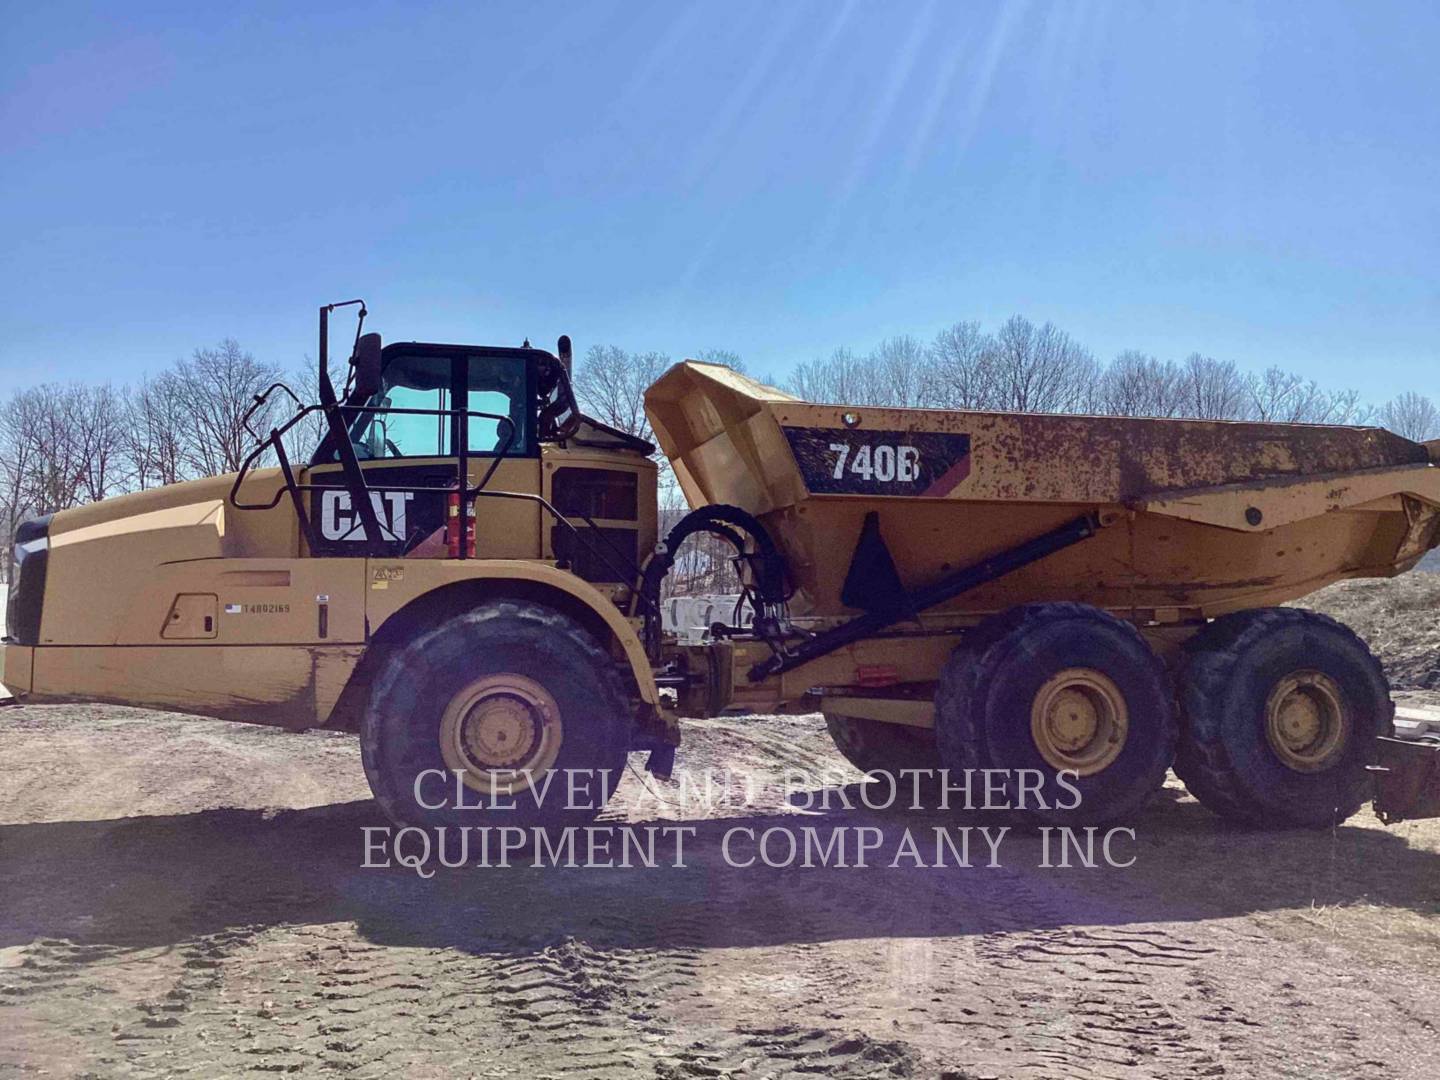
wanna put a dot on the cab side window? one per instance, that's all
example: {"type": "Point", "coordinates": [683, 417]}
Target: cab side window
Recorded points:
{"type": "Point", "coordinates": [486, 433]}
{"type": "Point", "coordinates": [498, 386]}
{"type": "Point", "coordinates": [404, 435]}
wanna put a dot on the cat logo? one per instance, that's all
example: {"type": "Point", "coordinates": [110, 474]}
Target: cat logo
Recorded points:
{"type": "Point", "coordinates": [338, 520]}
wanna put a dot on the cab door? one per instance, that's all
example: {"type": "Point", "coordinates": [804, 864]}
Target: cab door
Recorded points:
{"type": "Point", "coordinates": [407, 443]}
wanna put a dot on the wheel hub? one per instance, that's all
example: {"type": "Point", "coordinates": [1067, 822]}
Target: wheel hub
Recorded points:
{"type": "Point", "coordinates": [500, 732]}
{"type": "Point", "coordinates": [1079, 721]}
{"type": "Point", "coordinates": [1307, 721]}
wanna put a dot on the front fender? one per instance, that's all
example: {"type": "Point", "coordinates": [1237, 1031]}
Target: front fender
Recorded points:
{"type": "Point", "coordinates": [394, 584]}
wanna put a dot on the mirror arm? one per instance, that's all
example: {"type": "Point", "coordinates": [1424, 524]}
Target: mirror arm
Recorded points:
{"type": "Point", "coordinates": [334, 418]}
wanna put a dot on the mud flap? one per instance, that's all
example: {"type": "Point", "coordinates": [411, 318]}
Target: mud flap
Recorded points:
{"type": "Point", "coordinates": [1407, 780]}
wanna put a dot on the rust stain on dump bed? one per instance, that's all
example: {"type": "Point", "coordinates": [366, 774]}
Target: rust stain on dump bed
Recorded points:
{"type": "Point", "coordinates": [1133, 458]}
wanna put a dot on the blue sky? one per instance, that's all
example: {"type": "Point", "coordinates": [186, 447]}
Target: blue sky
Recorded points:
{"type": "Point", "coordinates": [1258, 182]}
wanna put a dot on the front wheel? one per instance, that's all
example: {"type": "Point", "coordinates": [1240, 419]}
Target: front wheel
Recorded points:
{"type": "Point", "coordinates": [507, 714]}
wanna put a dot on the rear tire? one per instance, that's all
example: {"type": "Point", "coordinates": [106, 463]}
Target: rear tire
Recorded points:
{"type": "Point", "coordinates": [1281, 710]}
{"type": "Point", "coordinates": [873, 746]}
{"type": "Point", "coordinates": [1048, 688]}
{"type": "Point", "coordinates": [492, 692]}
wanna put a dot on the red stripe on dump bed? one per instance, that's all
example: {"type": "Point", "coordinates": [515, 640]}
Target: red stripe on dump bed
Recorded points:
{"type": "Point", "coordinates": [948, 480]}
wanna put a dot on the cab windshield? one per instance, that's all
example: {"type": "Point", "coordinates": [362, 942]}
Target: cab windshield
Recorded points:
{"type": "Point", "coordinates": [497, 385]}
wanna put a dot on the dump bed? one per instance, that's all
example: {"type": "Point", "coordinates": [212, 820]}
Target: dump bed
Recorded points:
{"type": "Point", "coordinates": [1203, 517]}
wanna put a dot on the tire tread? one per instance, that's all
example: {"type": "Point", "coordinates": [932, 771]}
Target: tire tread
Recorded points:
{"type": "Point", "coordinates": [972, 666]}
{"type": "Point", "coordinates": [1211, 658]}
{"type": "Point", "coordinates": [398, 691]}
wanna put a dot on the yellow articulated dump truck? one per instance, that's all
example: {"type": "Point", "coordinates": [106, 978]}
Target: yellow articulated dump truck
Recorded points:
{"type": "Point", "coordinates": [468, 574]}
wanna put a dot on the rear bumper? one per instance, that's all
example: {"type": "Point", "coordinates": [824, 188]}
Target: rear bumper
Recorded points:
{"type": "Point", "coordinates": [1407, 780]}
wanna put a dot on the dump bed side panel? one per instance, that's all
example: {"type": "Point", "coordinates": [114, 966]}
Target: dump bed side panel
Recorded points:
{"type": "Point", "coordinates": [1205, 517]}
{"type": "Point", "coordinates": [720, 424]}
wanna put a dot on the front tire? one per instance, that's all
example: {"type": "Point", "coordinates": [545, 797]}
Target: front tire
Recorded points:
{"type": "Point", "coordinates": [508, 695]}
{"type": "Point", "coordinates": [1281, 708]}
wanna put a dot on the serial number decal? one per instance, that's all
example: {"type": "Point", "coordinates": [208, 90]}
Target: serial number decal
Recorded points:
{"type": "Point", "coordinates": [919, 464]}
{"type": "Point", "coordinates": [257, 609]}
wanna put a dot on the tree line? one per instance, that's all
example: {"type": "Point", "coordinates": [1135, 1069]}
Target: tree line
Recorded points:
{"type": "Point", "coordinates": [63, 444]}
{"type": "Point", "coordinates": [1022, 367]}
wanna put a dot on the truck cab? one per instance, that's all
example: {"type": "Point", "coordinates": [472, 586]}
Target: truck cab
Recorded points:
{"type": "Point", "coordinates": [267, 595]}
{"type": "Point", "coordinates": [508, 408]}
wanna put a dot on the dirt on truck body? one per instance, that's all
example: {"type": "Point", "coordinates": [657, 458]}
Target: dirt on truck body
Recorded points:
{"type": "Point", "coordinates": [468, 573]}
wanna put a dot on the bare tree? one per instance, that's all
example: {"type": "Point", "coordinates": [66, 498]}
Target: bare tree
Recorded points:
{"type": "Point", "coordinates": [961, 362]}
{"type": "Point", "coordinates": [1040, 369]}
{"type": "Point", "coordinates": [47, 422]}
{"type": "Point", "coordinates": [17, 452]}
{"type": "Point", "coordinates": [1285, 397]}
{"type": "Point", "coordinates": [1345, 407]}
{"type": "Point", "coordinates": [216, 388]}
{"type": "Point", "coordinates": [1212, 389]}
{"type": "Point", "coordinates": [611, 383]}
{"type": "Point", "coordinates": [840, 378]}
{"type": "Point", "coordinates": [899, 373]}
{"type": "Point", "coordinates": [154, 432]}
{"type": "Point", "coordinates": [1412, 416]}
{"type": "Point", "coordinates": [99, 423]}
{"type": "Point", "coordinates": [1139, 385]}
{"type": "Point", "coordinates": [60, 445]}
{"type": "Point", "coordinates": [1279, 395]}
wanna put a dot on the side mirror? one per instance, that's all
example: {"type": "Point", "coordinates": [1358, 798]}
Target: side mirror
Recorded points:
{"type": "Point", "coordinates": [563, 351]}
{"type": "Point", "coordinates": [366, 363]}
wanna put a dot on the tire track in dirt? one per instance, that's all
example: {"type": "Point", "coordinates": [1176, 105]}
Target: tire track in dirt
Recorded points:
{"type": "Point", "coordinates": [1105, 994]}
{"type": "Point", "coordinates": [1092, 1002]}
{"type": "Point", "coordinates": [46, 966]}
{"type": "Point", "coordinates": [1017, 992]}
{"type": "Point", "coordinates": [734, 1023]}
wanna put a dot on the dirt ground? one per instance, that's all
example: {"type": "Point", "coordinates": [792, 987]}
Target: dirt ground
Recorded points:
{"type": "Point", "coordinates": [185, 897]}
{"type": "Point", "coordinates": [1399, 619]}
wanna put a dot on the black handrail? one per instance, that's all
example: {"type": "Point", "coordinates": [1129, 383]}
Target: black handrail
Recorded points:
{"type": "Point", "coordinates": [274, 439]}
{"type": "Point", "coordinates": [355, 482]}
{"type": "Point", "coordinates": [625, 568]}
{"type": "Point", "coordinates": [629, 570]}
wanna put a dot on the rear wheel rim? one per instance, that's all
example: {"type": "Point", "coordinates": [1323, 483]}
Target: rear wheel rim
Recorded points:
{"type": "Point", "coordinates": [501, 733]}
{"type": "Point", "coordinates": [1079, 721]}
{"type": "Point", "coordinates": [1307, 721]}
